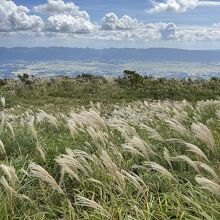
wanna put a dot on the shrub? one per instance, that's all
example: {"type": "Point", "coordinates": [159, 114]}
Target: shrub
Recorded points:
{"type": "Point", "coordinates": [133, 78]}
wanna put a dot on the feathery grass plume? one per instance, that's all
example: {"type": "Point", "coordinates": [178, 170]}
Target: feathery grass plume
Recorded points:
{"type": "Point", "coordinates": [95, 118]}
{"type": "Point", "coordinates": [187, 160]}
{"type": "Point", "coordinates": [2, 121]}
{"type": "Point", "coordinates": [2, 99]}
{"type": "Point", "coordinates": [81, 157]}
{"type": "Point", "coordinates": [93, 134]}
{"type": "Point", "coordinates": [80, 120]}
{"type": "Point", "coordinates": [132, 150]}
{"type": "Point", "coordinates": [11, 130]}
{"type": "Point", "coordinates": [167, 157]}
{"type": "Point", "coordinates": [9, 171]}
{"type": "Point", "coordinates": [134, 180]}
{"type": "Point", "coordinates": [113, 170]}
{"type": "Point", "coordinates": [207, 168]}
{"type": "Point", "coordinates": [98, 137]}
{"type": "Point", "coordinates": [193, 148]}
{"type": "Point", "coordinates": [122, 131]}
{"type": "Point", "coordinates": [141, 146]}
{"type": "Point", "coordinates": [72, 128]}
{"type": "Point", "coordinates": [50, 118]}
{"type": "Point", "coordinates": [177, 126]}
{"type": "Point", "coordinates": [80, 153]}
{"type": "Point", "coordinates": [152, 132]}
{"type": "Point", "coordinates": [40, 173]}
{"type": "Point", "coordinates": [71, 166]}
{"type": "Point", "coordinates": [41, 151]}
{"type": "Point", "coordinates": [126, 130]}
{"type": "Point", "coordinates": [173, 140]}
{"type": "Point", "coordinates": [82, 201]}
{"type": "Point", "coordinates": [116, 153]}
{"type": "Point", "coordinates": [204, 135]}
{"type": "Point", "coordinates": [31, 127]}
{"type": "Point", "coordinates": [161, 170]}
{"type": "Point", "coordinates": [208, 185]}
{"type": "Point", "coordinates": [96, 181]}
{"type": "Point", "coordinates": [10, 192]}
{"type": "Point", "coordinates": [2, 148]}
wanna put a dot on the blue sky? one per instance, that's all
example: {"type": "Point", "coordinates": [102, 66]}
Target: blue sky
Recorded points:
{"type": "Point", "coordinates": [137, 8]}
{"type": "Point", "coordinates": [191, 24]}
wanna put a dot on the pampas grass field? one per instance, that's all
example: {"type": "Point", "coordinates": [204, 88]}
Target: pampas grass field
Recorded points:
{"type": "Point", "coordinates": [137, 160]}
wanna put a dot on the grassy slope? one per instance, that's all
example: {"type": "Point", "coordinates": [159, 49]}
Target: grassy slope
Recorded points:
{"type": "Point", "coordinates": [154, 195]}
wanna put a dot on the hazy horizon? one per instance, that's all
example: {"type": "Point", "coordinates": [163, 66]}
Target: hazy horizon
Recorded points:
{"type": "Point", "coordinates": [106, 48]}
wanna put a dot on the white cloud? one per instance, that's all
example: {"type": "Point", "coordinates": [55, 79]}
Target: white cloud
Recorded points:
{"type": "Point", "coordinates": [208, 3]}
{"type": "Point", "coordinates": [56, 7]}
{"type": "Point", "coordinates": [168, 31]}
{"type": "Point", "coordinates": [16, 18]}
{"type": "Point", "coordinates": [111, 22]}
{"type": "Point", "coordinates": [180, 6]}
{"type": "Point", "coordinates": [67, 21]}
{"type": "Point", "coordinates": [65, 17]}
{"type": "Point", "coordinates": [69, 24]}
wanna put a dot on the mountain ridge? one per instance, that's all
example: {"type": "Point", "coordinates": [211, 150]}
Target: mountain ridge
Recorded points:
{"type": "Point", "coordinates": [110, 55]}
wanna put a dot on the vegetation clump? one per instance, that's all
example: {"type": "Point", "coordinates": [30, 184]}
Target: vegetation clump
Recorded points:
{"type": "Point", "coordinates": [85, 88]}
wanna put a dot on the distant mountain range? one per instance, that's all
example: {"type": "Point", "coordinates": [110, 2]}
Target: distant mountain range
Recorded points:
{"type": "Point", "coordinates": [111, 55]}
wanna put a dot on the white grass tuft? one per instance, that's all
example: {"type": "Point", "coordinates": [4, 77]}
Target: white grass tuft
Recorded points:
{"type": "Point", "coordinates": [193, 148]}
{"type": "Point", "coordinates": [40, 173]}
{"type": "Point", "coordinates": [204, 135]}
{"type": "Point", "coordinates": [161, 170]}
{"type": "Point", "coordinates": [208, 185]}
{"type": "Point", "coordinates": [82, 201]}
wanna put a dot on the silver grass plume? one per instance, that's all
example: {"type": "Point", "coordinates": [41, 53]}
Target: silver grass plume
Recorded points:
{"type": "Point", "coordinates": [204, 135]}
{"type": "Point", "coordinates": [2, 99]}
{"type": "Point", "coordinates": [208, 185]}
{"type": "Point", "coordinates": [41, 151]}
{"type": "Point", "coordinates": [152, 132]}
{"type": "Point", "coordinates": [135, 180]}
{"type": "Point", "coordinates": [208, 169]}
{"type": "Point", "coordinates": [40, 173]}
{"type": "Point", "coordinates": [142, 146]}
{"type": "Point", "coordinates": [2, 148]}
{"type": "Point", "coordinates": [50, 118]}
{"type": "Point", "coordinates": [187, 160]}
{"type": "Point", "coordinates": [193, 148]}
{"type": "Point", "coordinates": [167, 157]}
{"type": "Point", "coordinates": [10, 172]}
{"type": "Point", "coordinates": [11, 130]}
{"type": "Point", "coordinates": [177, 126]}
{"type": "Point", "coordinates": [82, 201]}
{"type": "Point", "coordinates": [11, 192]}
{"type": "Point", "coordinates": [95, 118]}
{"type": "Point", "coordinates": [161, 170]}
{"type": "Point", "coordinates": [113, 170]}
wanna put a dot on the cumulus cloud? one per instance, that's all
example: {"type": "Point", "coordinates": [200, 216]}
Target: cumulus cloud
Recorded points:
{"type": "Point", "coordinates": [180, 6]}
{"type": "Point", "coordinates": [69, 24]}
{"type": "Point", "coordinates": [68, 21]}
{"type": "Point", "coordinates": [65, 17]}
{"type": "Point", "coordinates": [55, 7]}
{"type": "Point", "coordinates": [111, 22]}
{"type": "Point", "coordinates": [168, 31]}
{"type": "Point", "coordinates": [16, 18]}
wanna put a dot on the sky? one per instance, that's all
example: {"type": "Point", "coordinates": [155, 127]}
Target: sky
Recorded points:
{"type": "Point", "coordinates": [187, 24]}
